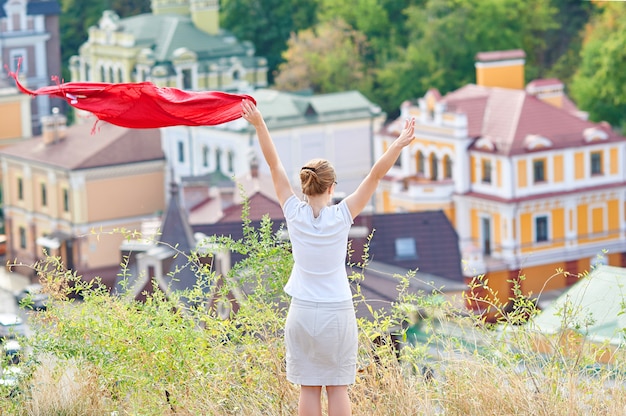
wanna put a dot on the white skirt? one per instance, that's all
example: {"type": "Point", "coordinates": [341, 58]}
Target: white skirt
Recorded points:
{"type": "Point", "coordinates": [321, 341]}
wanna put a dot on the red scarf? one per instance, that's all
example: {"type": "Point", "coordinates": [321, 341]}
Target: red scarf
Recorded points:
{"type": "Point", "coordinates": [143, 105]}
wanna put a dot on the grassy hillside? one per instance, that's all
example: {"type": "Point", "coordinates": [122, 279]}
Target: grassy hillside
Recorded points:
{"type": "Point", "coordinates": [110, 355]}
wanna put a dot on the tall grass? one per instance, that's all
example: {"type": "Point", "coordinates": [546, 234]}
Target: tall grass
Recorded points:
{"type": "Point", "coordinates": [108, 354]}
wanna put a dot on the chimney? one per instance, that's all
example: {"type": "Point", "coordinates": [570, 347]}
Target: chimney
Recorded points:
{"type": "Point", "coordinates": [548, 90]}
{"type": "Point", "coordinates": [205, 15]}
{"type": "Point", "coordinates": [504, 69]}
{"type": "Point", "coordinates": [254, 168]}
{"type": "Point", "coordinates": [53, 127]}
{"type": "Point", "coordinates": [180, 7]}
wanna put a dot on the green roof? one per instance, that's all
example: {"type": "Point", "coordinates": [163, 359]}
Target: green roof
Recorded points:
{"type": "Point", "coordinates": [164, 34]}
{"type": "Point", "coordinates": [281, 108]}
{"type": "Point", "coordinates": [596, 305]}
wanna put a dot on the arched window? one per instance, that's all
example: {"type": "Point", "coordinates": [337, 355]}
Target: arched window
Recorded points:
{"type": "Point", "coordinates": [447, 167]}
{"type": "Point", "coordinates": [120, 76]}
{"type": "Point", "coordinates": [419, 160]}
{"type": "Point", "coordinates": [434, 166]}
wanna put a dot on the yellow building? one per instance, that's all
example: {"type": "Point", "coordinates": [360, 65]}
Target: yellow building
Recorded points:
{"type": "Point", "coordinates": [536, 192]}
{"type": "Point", "coordinates": [14, 106]}
{"type": "Point", "coordinates": [66, 191]}
{"type": "Point", "coordinates": [179, 44]}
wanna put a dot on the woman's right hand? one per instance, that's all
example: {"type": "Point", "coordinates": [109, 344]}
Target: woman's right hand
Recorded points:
{"type": "Point", "coordinates": [250, 112]}
{"type": "Point", "coordinates": [408, 133]}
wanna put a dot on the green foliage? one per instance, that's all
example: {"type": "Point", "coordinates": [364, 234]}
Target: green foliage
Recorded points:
{"type": "Point", "coordinates": [562, 54]}
{"type": "Point", "coordinates": [599, 84]}
{"type": "Point", "coordinates": [324, 59]}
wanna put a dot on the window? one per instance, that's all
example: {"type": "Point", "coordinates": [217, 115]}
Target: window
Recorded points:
{"type": "Point", "coordinates": [66, 200]}
{"type": "Point", "coordinates": [20, 189]}
{"type": "Point", "coordinates": [486, 171]}
{"type": "Point", "coordinates": [22, 232]}
{"type": "Point", "coordinates": [541, 229]}
{"type": "Point", "coordinates": [485, 224]}
{"type": "Point", "coordinates": [44, 195]}
{"type": "Point", "coordinates": [405, 248]}
{"type": "Point", "coordinates": [231, 161]}
{"type": "Point", "coordinates": [420, 162]}
{"type": "Point", "coordinates": [539, 170]}
{"type": "Point", "coordinates": [596, 163]}
{"type": "Point", "coordinates": [434, 167]}
{"type": "Point", "coordinates": [187, 85]}
{"type": "Point", "coordinates": [218, 160]}
{"type": "Point", "coordinates": [205, 156]}
{"type": "Point", "coordinates": [181, 152]}
{"type": "Point", "coordinates": [447, 167]}
{"type": "Point", "coordinates": [18, 57]}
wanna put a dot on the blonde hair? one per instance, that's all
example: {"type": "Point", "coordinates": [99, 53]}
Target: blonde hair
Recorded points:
{"type": "Point", "coordinates": [316, 176]}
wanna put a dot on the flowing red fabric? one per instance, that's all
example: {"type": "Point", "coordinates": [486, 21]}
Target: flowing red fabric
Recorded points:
{"type": "Point", "coordinates": [143, 105]}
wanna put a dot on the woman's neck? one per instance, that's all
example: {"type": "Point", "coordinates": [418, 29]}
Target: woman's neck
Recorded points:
{"type": "Point", "coordinates": [317, 203]}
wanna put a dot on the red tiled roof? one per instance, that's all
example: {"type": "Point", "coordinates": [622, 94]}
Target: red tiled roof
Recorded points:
{"type": "Point", "coordinates": [110, 145]}
{"type": "Point", "coordinates": [260, 205]}
{"type": "Point", "coordinates": [507, 116]}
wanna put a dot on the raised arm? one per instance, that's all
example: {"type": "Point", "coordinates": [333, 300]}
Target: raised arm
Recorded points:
{"type": "Point", "coordinates": [357, 200]}
{"type": "Point", "coordinates": [282, 186]}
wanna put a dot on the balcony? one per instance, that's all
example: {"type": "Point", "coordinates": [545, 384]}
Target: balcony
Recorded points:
{"type": "Point", "coordinates": [419, 188]}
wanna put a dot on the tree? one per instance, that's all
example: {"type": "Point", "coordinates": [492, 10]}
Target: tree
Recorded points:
{"type": "Point", "coordinates": [562, 54]}
{"type": "Point", "coordinates": [599, 84]}
{"type": "Point", "coordinates": [325, 59]}
{"type": "Point", "coordinates": [268, 24]}
{"type": "Point", "coordinates": [444, 37]}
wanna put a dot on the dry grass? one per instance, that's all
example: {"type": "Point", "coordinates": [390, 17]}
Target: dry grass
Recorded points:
{"type": "Point", "coordinates": [64, 387]}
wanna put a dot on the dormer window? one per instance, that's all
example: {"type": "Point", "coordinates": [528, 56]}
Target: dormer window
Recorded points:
{"type": "Point", "coordinates": [535, 141]}
{"type": "Point", "coordinates": [593, 134]}
{"type": "Point", "coordinates": [485, 143]}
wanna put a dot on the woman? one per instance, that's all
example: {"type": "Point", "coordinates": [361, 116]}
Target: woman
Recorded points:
{"type": "Point", "coordinates": [321, 330]}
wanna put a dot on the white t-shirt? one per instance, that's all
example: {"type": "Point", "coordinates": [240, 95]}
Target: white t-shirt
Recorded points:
{"type": "Point", "coordinates": [319, 248]}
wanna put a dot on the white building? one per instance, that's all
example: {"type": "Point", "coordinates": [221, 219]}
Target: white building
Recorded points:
{"type": "Point", "coordinates": [339, 127]}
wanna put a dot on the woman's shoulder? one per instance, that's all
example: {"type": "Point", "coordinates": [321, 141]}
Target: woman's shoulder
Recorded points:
{"type": "Point", "coordinates": [292, 204]}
